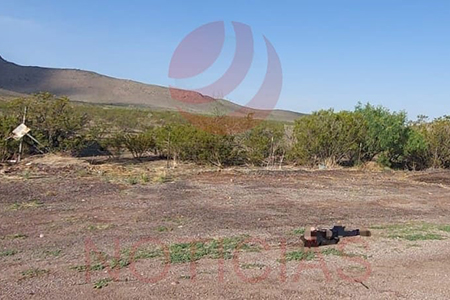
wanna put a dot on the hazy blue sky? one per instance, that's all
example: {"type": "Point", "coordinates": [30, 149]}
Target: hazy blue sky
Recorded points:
{"type": "Point", "coordinates": [334, 53]}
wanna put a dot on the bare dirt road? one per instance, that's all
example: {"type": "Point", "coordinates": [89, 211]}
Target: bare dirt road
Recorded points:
{"type": "Point", "coordinates": [67, 234]}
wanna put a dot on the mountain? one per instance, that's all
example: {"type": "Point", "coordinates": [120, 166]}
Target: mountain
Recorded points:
{"type": "Point", "coordinates": [86, 86]}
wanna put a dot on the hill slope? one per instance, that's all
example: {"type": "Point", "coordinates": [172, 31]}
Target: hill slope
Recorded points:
{"type": "Point", "coordinates": [91, 87]}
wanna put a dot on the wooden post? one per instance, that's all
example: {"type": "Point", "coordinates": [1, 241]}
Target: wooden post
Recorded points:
{"type": "Point", "coordinates": [21, 140]}
{"type": "Point", "coordinates": [20, 151]}
{"type": "Point", "coordinates": [168, 152]}
{"type": "Point", "coordinates": [271, 161]}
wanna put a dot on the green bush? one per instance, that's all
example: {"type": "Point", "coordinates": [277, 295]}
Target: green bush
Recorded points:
{"type": "Point", "coordinates": [139, 144]}
{"type": "Point", "coordinates": [7, 147]}
{"type": "Point", "coordinates": [386, 134]}
{"type": "Point", "coordinates": [416, 150]}
{"type": "Point", "coordinates": [348, 138]}
{"type": "Point", "coordinates": [215, 149]}
{"type": "Point", "coordinates": [114, 144]}
{"type": "Point", "coordinates": [181, 142]}
{"type": "Point", "coordinates": [326, 136]}
{"type": "Point", "coordinates": [438, 139]}
{"type": "Point", "coordinates": [53, 121]}
{"type": "Point", "coordinates": [175, 141]}
{"type": "Point", "coordinates": [263, 144]}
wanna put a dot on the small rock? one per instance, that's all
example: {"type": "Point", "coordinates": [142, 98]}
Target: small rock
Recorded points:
{"type": "Point", "coordinates": [41, 235]}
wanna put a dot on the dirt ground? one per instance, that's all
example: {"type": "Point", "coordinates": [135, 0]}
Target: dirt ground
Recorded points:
{"type": "Point", "coordinates": [56, 213]}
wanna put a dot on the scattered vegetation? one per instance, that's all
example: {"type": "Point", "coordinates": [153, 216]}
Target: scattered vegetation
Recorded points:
{"type": "Point", "coordinates": [445, 228]}
{"type": "Point", "coordinates": [253, 266]}
{"type": "Point", "coordinates": [15, 236]}
{"type": "Point", "coordinates": [300, 255]}
{"type": "Point", "coordinates": [347, 138]}
{"type": "Point", "coordinates": [145, 178]}
{"type": "Point", "coordinates": [178, 253]}
{"type": "Point", "coordinates": [84, 268]}
{"type": "Point", "coordinates": [163, 229]}
{"type": "Point", "coordinates": [415, 231]}
{"type": "Point", "coordinates": [120, 263]}
{"type": "Point", "coordinates": [9, 252]}
{"type": "Point", "coordinates": [333, 251]}
{"type": "Point", "coordinates": [299, 231]}
{"type": "Point", "coordinates": [418, 236]}
{"type": "Point", "coordinates": [102, 283]}
{"type": "Point", "coordinates": [162, 178]}
{"type": "Point", "coordinates": [311, 255]}
{"type": "Point", "coordinates": [99, 227]}
{"type": "Point", "coordinates": [54, 253]}
{"type": "Point", "coordinates": [26, 205]}
{"type": "Point", "coordinates": [34, 272]}
{"type": "Point", "coordinates": [133, 180]}
{"type": "Point", "coordinates": [182, 252]}
{"type": "Point", "coordinates": [337, 252]}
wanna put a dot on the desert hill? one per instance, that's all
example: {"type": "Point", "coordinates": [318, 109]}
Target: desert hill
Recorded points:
{"type": "Point", "coordinates": [86, 86]}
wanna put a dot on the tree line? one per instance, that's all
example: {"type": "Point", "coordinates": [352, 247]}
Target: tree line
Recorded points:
{"type": "Point", "coordinates": [347, 138]}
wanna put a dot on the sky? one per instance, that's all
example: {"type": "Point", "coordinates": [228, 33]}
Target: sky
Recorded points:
{"type": "Point", "coordinates": [334, 53]}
